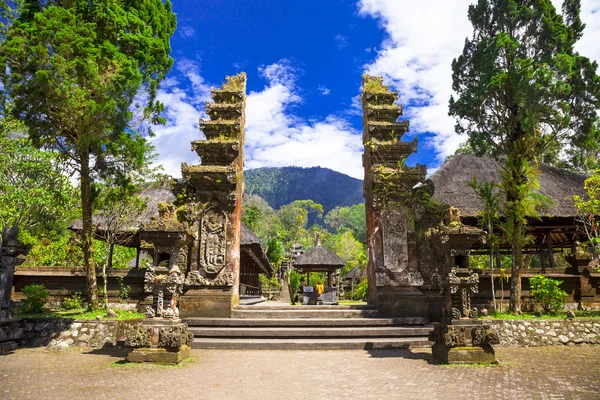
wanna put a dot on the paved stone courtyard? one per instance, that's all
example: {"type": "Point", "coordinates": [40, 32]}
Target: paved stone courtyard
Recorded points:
{"type": "Point", "coordinates": [526, 373]}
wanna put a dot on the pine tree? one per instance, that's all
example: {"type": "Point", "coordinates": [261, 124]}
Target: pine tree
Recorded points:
{"type": "Point", "coordinates": [523, 95]}
{"type": "Point", "coordinates": [73, 70]}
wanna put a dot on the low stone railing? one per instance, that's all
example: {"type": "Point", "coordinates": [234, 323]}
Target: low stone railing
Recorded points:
{"type": "Point", "coordinates": [527, 333]}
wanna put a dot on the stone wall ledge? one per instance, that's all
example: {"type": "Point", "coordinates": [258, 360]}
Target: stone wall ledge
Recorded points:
{"type": "Point", "coordinates": [64, 333]}
{"type": "Point", "coordinates": [547, 332]}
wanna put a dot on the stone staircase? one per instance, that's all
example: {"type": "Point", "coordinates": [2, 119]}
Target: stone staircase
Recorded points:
{"type": "Point", "coordinates": [262, 327]}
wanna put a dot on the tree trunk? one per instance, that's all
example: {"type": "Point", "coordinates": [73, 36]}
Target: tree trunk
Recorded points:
{"type": "Point", "coordinates": [86, 231]}
{"type": "Point", "coordinates": [517, 264]}
{"type": "Point", "coordinates": [492, 277]}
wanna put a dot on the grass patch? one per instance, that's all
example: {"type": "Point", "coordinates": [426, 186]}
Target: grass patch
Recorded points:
{"type": "Point", "coordinates": [532, 316]}
{"type": "Point", "coordinates": [353, 303]}
{"type": "Point", "coordinates": [472, 365]}
{"type": "Point", "coordinates": [127, 365]}
{"type": "Point", "coordinates": [83, 314]}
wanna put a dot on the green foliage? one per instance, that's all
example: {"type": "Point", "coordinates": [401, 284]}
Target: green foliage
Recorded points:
{"type": "Point", "coordinates": [547, 293]}
{"type": "Point", "coordinates": [349, 249]}
{"type": "Point", "coordinates": [35, 298]}
{"type": "Point", "coordinates": [294, 283]}
{"type": "Point", "coordinates": [36, 192]}
{"type": "Point", "coordinates": [519, 78]}
{"type": "Point", "coordinates": [275, 252]}
{"type": "Point", "coordinates": [251, 215]}
{"type": "Point", "coordinates": [79, 314]}
{"type": "Point", "coordinates": [72, 303]}
{"type": "Point", "coordinates": [269, 283]}
{"type": "Point", "coordinates": [362, 289]}
{"type": "Point", "coordinates": [589, 213]}
{"type": "Point", "coordinates": [294, 218]}
{"type": "Point", "coordinates": [351, 219]}
{"type": "Point", "coordinates": [54, 249]}
{"type": "Point", "coordinates": [124, 290]}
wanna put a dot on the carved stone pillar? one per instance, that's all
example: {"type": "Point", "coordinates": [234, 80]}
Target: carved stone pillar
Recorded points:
{"type": "Point", "coordinates": [213, 191]}
{"type": "Point", "coordinates": [393, 272]}
{"type": "Point", "coordinates": [10, 251]}
{"type": "Point", "coordinates": [460, 337]}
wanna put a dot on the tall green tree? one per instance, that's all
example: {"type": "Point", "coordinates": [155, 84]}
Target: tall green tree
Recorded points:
{"type": "Point", "coordinates": [35, 192]}
{"type": "Point", "coordinates": [523, 94]}
{"type": "Point", "coordinates": [73, 70]}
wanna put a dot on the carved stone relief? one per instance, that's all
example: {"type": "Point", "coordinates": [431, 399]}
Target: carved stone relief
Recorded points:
{"type": "Point", "coordinates": [213, 241]}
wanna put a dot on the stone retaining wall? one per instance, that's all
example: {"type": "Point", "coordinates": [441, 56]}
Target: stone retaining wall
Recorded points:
{"type": "Point", "coordinates": [63, 333]}
{"type": "Point", "coordinates": [547, 332]}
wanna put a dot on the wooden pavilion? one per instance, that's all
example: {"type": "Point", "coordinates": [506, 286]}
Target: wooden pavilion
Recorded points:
{"type": "Point", "coordinates": [318, 259]}
{"type": "Point", "coordinates": [553, 229]}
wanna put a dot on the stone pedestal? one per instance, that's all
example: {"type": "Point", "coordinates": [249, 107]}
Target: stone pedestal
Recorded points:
{"type": "Point", "coordinates": [463, 342]}
{"type": "Point", "coordinates": [208, 303]}
{"type": "Point", "coordinates": [411, 306]}
{"type": "Point", "coordinates": [159, 340]}
{"type": "Point", "coordinates": [329, 296]}
{"type": "Point", "coordinates": [160, 356]}
{"type": "Point", "coordinates": [464, 355]}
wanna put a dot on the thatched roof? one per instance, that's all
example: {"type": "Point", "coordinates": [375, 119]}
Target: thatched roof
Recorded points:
{"type": "Point", "coordinates": [152, 198]}
{"type": "Point", "coordinates": [249, 237]}
{"type": "Point", "coordinates": [450, 185]}
{"type": "Point", "coordinates": [319, 257]}
{"type": "Point", "coordinates": [355, 273]}
{"type": "Point", "coordinates": [252, 243]}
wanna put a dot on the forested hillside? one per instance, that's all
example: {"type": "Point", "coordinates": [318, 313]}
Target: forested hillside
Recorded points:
{"type": "Point", "coordinates": [280, 186]}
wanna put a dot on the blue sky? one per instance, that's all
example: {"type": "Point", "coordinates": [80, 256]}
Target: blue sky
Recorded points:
{"type": "Point", "coordinates": [304, 61]}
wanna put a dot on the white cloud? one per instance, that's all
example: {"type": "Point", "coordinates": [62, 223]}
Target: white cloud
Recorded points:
{"type": "Point", "coordinates": [183, 109]}
{"type": "Point", "coordinates": [416, 57]}
{"type": "Point", "coordinates": [423, 38]}
{"type": "Point", "coordinates": [186, 31]}
{"type": "Point", "coordinates": [342, 41]}
{"type": "Point", "coordinates": [324, 90]}
{"type": "Point", "coordinates": [276, 137]}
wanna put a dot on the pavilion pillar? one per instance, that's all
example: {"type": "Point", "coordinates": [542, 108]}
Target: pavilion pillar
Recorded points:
{"type": "Point", "coordinates": [392, 269]}
{"type": "Point", "coordinates": [550, 253]}
{"type": "Point", "coordinates": [213, 193]}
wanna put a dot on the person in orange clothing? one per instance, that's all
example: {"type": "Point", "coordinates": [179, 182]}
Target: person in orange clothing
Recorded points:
{"type": "Point", "coordinates": [320, 288]}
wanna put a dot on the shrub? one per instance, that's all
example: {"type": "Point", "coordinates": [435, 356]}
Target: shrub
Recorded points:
{"type": "Point", "coordinates": [547, 292]}
{"type": "Point", "coordinates": [36, 297]}
{"type": "Point", "coordinates": [72, 303]}
{"type": "Point", "coordinates": [362, 289]}
{"type": "Point", "coordinates": [124, 290]}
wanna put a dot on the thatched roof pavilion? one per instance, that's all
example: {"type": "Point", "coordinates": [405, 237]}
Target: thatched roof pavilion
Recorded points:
{"type": "Point", "coordinates": [554, 227]}
{"type": "Point", "coordinates": [318, 259]}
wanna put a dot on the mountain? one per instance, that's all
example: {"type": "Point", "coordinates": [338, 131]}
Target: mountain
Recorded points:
{"type": "Point", "coordinates": [280, 186]}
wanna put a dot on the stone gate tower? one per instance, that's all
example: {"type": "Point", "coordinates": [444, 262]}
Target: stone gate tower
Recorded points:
{"type": "Point", "coordinates": [393, 273]}
{"type": "Point", "coordinates": [213, 193]}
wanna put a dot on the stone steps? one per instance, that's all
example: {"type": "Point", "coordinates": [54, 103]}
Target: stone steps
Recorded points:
{"type": "Point", "coordinates": [309, 344]}
{"type": "Point", "coordinates": [309, 332]}
{"type": "Point", "coordinates": [258, 312]}
{"type": "Point", "coordinates": [293, 322]}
